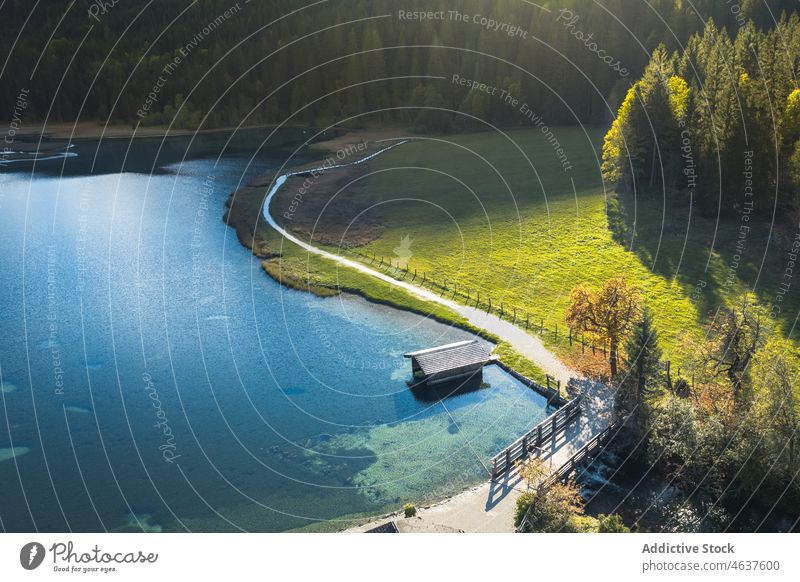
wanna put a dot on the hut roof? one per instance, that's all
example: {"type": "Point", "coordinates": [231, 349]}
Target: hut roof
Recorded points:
{"type": "Point", "coordinates": [451, 356]}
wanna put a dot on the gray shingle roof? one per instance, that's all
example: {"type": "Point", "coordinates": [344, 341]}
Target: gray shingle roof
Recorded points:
{"type": "Point", "coordinates": [447, 357]}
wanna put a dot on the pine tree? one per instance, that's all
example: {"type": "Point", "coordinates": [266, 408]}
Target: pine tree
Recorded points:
{"type": "Point", "coordinates": [642, 377]}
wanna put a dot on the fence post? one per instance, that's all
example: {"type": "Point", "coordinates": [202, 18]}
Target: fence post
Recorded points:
{"type": "Point", "coordinates": [669, 377]}
{"type": "Point", "coordinates": [525, 446]}
{"type": "Point", "coordinates": [527, 315]}
{"type": "Point", "coordinates": [541, 330]}
{"type": "Point", "coordinates": [570, 336]}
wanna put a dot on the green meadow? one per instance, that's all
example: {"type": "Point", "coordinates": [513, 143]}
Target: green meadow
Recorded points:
{"type": "Point", "coordinates": [499, 215]}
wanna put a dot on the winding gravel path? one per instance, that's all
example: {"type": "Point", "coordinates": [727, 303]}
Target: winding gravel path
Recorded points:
{"type": "Point", "coordinates": [527, 345]}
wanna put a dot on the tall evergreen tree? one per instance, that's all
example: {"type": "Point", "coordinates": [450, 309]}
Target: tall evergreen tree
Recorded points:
{"type": "Point", "coordinates": [641, 377]}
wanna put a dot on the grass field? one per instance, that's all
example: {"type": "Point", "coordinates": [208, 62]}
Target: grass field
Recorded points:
{"type": "Point", "coordinates": [500, 216]}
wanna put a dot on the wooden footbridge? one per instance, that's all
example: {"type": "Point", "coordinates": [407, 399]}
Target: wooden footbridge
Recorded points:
{"type": "Point", "coordinates": [586, 453]}
{"type": "Point", "coordinates": [531, 441]}
{"type": "Point", "coordinates": [546, 432]}
{"type": "Point", "coordinates": [466, 359]}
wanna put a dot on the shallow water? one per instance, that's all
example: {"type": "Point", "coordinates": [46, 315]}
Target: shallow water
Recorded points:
{"type": "Point", "coordinates": [164, 383]}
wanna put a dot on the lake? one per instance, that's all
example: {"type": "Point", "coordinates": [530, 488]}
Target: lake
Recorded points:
{"type": "Point", "coordinates": [155, 379]}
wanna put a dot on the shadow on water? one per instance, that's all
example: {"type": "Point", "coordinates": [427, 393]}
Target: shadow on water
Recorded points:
{"type": "Point", "coordinates": [150, 155]}
{"type": "Point", "coordinates": [445, 390]}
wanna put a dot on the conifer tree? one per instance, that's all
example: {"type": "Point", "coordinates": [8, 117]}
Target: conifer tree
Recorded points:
{"type": "Point", "coordinates": [642, 376]}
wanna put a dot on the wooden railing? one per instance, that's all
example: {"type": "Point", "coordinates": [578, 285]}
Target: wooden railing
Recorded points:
{"type": "Point", "coordinates": [548, 428]}
{"type": "Point", "coordinates": [585, 453]}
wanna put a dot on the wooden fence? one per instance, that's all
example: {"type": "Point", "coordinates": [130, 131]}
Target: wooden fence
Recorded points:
{"type": "Point", "coordinates": [548, 428]}
{"type": "Point", "coordinates": [472, 298]}
{"type": "Point", "coordinates": [585, 453]}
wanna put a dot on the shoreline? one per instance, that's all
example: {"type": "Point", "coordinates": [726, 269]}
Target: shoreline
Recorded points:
{"type": "Point", "coordinates": [93, 131]}
{"type": "Point", "coordinates": [462, 512]}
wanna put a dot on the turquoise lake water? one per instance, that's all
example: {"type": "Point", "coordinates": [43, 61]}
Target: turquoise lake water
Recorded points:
{"type": "Point", "coordinates": [154, 378]}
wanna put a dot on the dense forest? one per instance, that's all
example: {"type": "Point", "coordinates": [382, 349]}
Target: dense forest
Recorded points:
{"type": "Point", "coordinates": [716, 125]}
{"type": "Point", "coordinates": [217, 63]}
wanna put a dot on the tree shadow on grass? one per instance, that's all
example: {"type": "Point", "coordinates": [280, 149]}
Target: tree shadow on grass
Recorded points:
{"type": "Point", "coordinates": [674, 241]}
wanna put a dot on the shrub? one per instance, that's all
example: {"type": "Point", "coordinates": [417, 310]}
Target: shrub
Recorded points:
{"type": "Point", "coordinates": [409, 510]}
{"type": "Point", "coordinates": [611, 524]}
{"type": "Point", "coordinates": [552, 510]}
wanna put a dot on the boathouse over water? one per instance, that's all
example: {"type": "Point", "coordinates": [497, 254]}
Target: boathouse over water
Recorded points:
{"type": "Point", "coordinates": [449, 362]}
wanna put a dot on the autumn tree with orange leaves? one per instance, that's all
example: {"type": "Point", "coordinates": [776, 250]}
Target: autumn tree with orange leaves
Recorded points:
{"type": "Point", "coordinates": [607, 314]}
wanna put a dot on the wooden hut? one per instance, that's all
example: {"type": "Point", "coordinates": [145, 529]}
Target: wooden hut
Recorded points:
{"type": "Point", "coordinates": [449, 362]}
